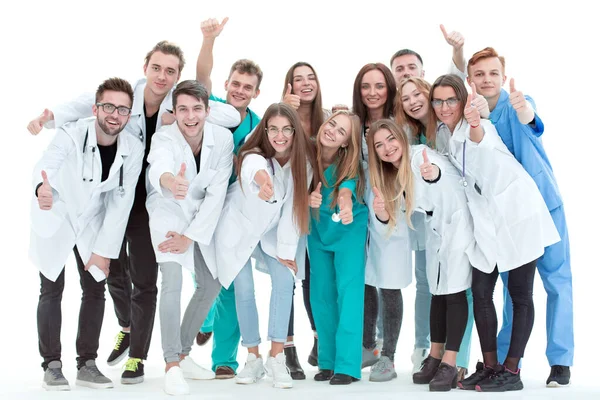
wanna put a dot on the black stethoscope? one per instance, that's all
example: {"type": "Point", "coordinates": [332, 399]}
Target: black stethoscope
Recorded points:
{"type": "Point", "coordinates": [121, 189]}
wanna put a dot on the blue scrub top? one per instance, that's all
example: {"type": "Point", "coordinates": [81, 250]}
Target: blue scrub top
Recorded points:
{"type": "Point", "coordinates": [526, 145]}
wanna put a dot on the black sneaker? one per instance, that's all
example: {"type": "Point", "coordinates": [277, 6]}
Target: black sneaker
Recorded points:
{"type": "Point", "coordinates": [342, 379]}
{"type": "Point", "coordinates": [429, 368]}
{"type": "Point", "coordinates": [559, 376]}
{"type": "Point", "coordinates": [134, 372]}
{"type": "Point", "coordinates": [121, 349]}
{"type": "Point", "coordinates": [292, 363]}
{"type": "Point", "coordinates": [482, 372]}
{"type": "Point", "coordinates": [444, 379]}
{"type": "Point", "coordinates": [501, 380]}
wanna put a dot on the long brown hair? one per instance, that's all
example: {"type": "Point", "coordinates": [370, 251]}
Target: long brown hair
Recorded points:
{"type": "Point", "coordinates": [396, 185]}
{"type": "Point", "coordinates": [357, 104]}
{"type": "Point", "coordinates": [402, 118]}
{"type": "Point", "coordinates": [316, 107]}
{"type": "Point", "coordinates": [347, 164]}
{"type": "Point", "coordinates": [461, 93]}
{"type": "Point", "coordinates": [258, 143]}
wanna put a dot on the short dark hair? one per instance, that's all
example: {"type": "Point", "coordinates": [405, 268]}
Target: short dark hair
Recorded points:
{"type": "Point", "coordinates": [249, 67]}
{"type": "Point", "coordinates": [192, 88]}
{"type": "Point", "coordinates": [405, 52]}
{"type": "Point", "coordinates": [169, 48]}
{"type": "Point", "coordinates": [115, 85]}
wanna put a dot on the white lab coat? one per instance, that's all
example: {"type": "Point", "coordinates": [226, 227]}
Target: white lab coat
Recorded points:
{"type": "Point", "coordinates": [450, 243]}
{"type": "Point", "coordinates": [197, 215]}
{"type": "Point", "coordinates": [220, 113]}
{"type": "Point", "coordinates": [247, 221]}
{"type": "Point", "coordinates": [512, 222]}
{"type": "Point", "coordinates": [389, 255]}
{"type": "Point", "coordinates": [89, 214]}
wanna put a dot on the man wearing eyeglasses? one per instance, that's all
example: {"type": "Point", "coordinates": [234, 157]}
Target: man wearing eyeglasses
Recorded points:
{"type": "Point", "coordinates": [84, 190]}
{"type": "Point", "coordinates": [135, 309]}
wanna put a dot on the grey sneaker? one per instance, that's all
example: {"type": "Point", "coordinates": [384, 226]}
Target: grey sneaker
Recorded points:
{"type": "Point", "coordinates": [90, 376]}
{"type": "Point", "coordinates": [54, 378]}
{"type": "Point", "coordinates": [383, 370]}
{"type": "Point", "coordinates": [369, 357]}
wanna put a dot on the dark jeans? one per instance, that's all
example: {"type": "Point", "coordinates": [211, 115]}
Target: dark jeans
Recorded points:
{"type": "Point", "coordinates": [520, 287]}
{"type": "Point", "coordinates": [135, 308]}
{"type": "Point", "coordinates": [91, 315]}
{"type": "Point", "coordinates": [306, 296]}
{"type": "Point", "coordinates": [448, 319]}
{"type": "Point", "coordinates": [393, 306]}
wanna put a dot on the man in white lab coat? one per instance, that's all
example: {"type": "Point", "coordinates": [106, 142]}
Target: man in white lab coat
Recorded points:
{"type": "Point", "coordinates": [84, 190]}
{"type": "Point", "coordinates": [151, 109]}
{"type": "Point", "coordinates": [190, 165]}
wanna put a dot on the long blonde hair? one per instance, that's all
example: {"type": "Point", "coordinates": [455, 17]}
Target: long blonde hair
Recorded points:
{"type": "Point", "coordinates": [347, 164]}
{"type": "Point", "coordinates": [402, 118]}
{"type": "Point", "coordinates": [396, 185]}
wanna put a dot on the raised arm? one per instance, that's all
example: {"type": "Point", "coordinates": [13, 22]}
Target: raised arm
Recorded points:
{"type": "Point", "coordinates": [210, 30]}
{"type": "Point", "coordinates": [457, 41]}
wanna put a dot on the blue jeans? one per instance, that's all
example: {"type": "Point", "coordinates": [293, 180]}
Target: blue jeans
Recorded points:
{"type": "Point", "coordinates": [422, 302]}
{"type": "Point", "coordinates": [282, 287]}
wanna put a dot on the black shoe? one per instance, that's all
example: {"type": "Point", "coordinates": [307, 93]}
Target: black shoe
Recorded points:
{"type": "Point", "coordinates": [428, 370]}
{"type": "Point", "coordinates": [134, 372]}
{"type": "Point", "coordinates": [342, 379]}
{"type": "Point", "coordinates": [313, 357]}
{"type": "Point", "coordinates": [291, 361]}
{"type": "Point", "coordinates": [502, 380]}
{"type": "Point", "coordinates": [120, 350]}
{"type": "Point", "coordinates": [481, 373]}
{"type": "Point", "coordinates": [445, 378]}
{"type": "Point", "coordinates": [323, 375]}
{"type": "Point", "coordinates": [559, 376]}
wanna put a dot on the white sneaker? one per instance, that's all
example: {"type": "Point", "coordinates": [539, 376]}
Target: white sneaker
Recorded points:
{"type": "Point", "coordinates": [280, 373]}
{"type": "Point", "coordinates": [191, 370]}
{"type": "Point", "coordinates": [175, 383]}
{"type": "Point", "coordinates": [253, 370]}
{"type": "Point", "coordinates": [417, 358]}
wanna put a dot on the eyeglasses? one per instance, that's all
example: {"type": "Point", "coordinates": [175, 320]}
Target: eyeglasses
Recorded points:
{"type": "Point", "coordinates": [451, 102]}
{"type": "Point", "coordinates": [287, 131]}
{"type": "Point", "coordinates": [110, 108]}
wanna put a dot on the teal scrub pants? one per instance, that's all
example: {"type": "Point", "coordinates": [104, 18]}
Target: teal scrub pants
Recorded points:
{"type": "Point", "coordinates": [226, 331]}
{"type": "Point", "coordinates": [337, 281]}
{"type": "Point", "coordinates": [462, 359]}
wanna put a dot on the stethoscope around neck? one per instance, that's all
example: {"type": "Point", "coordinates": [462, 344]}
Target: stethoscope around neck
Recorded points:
{"type": "Point", "coordinates": [121, 189]}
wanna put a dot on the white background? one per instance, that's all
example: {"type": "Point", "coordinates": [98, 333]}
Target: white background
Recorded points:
{"type": "Point", "coordinates": [54, 50]}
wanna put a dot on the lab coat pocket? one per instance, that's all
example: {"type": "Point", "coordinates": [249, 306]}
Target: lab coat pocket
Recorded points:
{"type": "Point", "coordinates": [165, 218]}
{"type": "Point", "coordinates": [46, 223]}
{"type": "Point", "coordinates": [237, 229]}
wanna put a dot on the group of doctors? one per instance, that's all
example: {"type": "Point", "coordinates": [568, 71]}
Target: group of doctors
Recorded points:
{"type": "Point", "coordinates": [159, 176]}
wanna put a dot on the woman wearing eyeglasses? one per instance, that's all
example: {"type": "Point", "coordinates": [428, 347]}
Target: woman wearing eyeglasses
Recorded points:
{"type": "Point", "coordinates": [264, 215]}
{"type": "Point", "coordinates": [336, 245]}
{"type": "Point", "coordinates": [512, 226]}
{"type": "Point", "coordinates": [302, 91]}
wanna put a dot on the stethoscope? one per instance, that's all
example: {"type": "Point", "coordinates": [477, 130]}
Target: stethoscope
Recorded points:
{"type": "Point", "coordinates": [121, 189]}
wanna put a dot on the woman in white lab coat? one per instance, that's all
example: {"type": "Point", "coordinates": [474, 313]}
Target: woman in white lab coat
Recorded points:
{"type": "Point", "coordinates": [512, 225]}
{"type": "Point", "coordinates": [264, 215]}
{"type": "Point", "coordinates": [399, 189]}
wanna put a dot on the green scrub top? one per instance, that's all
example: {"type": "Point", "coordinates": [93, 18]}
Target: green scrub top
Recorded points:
{"type": "Point", "coordinates": [244, 128]}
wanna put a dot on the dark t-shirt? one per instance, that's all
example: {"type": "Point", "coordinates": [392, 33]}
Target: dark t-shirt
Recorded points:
{"type": "Point", "coordinates": [197, 158]}
{"type": "Point", "coordinates": [139, 202]}
{"type": "Point", "coordinates": [107, 155]}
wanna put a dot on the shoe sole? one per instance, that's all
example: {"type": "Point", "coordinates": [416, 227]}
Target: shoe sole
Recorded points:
{"type": "Point", "coordinates": [92, 385]}
{"type": "Point", "coordinates": [555, 384]}
{"type": "Point", "coordinates": [518, 386]}
{"type": "Point", "coordinates": [132, 381]}
{"type": "Point", "coordinates": [248, 381]}
{"type": "Point", "coordinates": [230, 376]}
{"type": "Point", "coordinates": [118, 359]}
{"type": "Point", "coordinates": [387, 378]}
{"type": "Point", "coordinates": [369, 363]}
{"type": "Point", "coordinates": [283, 385]}
{"type": "Point", "coordinates": [56, 388]}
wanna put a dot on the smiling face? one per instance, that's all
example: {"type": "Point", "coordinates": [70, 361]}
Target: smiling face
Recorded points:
{"type": "Point", "coordinates": [190, 114]}
{"type": "Point", "coordinates": [162, 72]}
{"type": "Point", "coordinates": [241, 88]}
{"type": "Point", "coordinates": [387, 147]}
{"type": "Point", "coordinates": [337, 132]}
{"type": "Point", "coordinates": [281, 135]}
{"type": "Point", "coordinates": [373, 90]}
{"type": "Point", "coordinates": [415, 103]}
{"type": "Point", "coordinates": [488, 76]}
{"type": "Point", "coordinates": [448, 114]}
{"type": "Point", "coordinates": [406, 66]}
{"type": "Point", "coordinates": [112, 124]}
{"type": "Point", "coordinates": [304, 84]}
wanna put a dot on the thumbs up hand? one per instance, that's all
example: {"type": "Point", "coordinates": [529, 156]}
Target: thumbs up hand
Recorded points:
{"type": "Point", "coordinates": [480, 102]}
{"type": "Point", "coordinates": [429, 172]}
{"type": "Point", "coordinates": [266, 185]}
{"type": "Point", "coordinates": [36, 125]}
{"type": "Point", "coordinates": [472, 113]}
{"type": "Point", "coordinates": [454, 39]}
{"type": "Point", "coordinates": [291, 99]}
{"type": "Point", "coordinates": [179, 185]}
{"type": "Point", "coordinates": [316, 198]}
{"type": "Point", "coordinates": [523, 108]}
{"type": "Point", "coordinates": [211, 28]}
{"type": "Point", "coordinates": [44, 193]}
{"type": "Point", "coordinates": [379, 206]}
{"type": "Point", "coordinates": [345, 205]}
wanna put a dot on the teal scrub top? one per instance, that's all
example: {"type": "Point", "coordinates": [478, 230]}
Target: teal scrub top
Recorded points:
{"type": "Point", "coordinates": [244, 128]}
{"type": "Point", "coordinates": [329, 232]}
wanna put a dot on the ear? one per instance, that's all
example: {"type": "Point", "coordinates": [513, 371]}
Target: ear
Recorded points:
{"type": "Point", "coordinates": [256, 93]}
{"type": "Point", "coordinates": [225, 85]}
{"type": "Point", "coordinates": [207, 111]}
{"type": "Point", "coordinates": [469, 80]}
{"type": "Point", "coordinates": [422, 73]}
{"type": "Point", "coordinates": [145, 68]}
{"type": "Point", "coordinates": [95, 110]}
{"type": "Point", "coordinates": [503, 79]}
